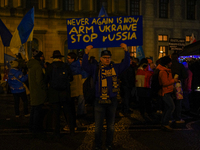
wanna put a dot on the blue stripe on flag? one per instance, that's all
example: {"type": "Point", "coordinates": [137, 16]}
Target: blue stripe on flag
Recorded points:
{"type": "Point", "coordinates": [26, 26]}
{"type": "Point", "coordinates": [5, 34]}
{"type": "Point", "coordinates": [103, 12]}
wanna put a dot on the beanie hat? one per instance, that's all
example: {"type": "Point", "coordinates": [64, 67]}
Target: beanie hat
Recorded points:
{"type": "Point", "coordinates": [14, 64]}
{"type": "Point", "coordinates": [106, 52]}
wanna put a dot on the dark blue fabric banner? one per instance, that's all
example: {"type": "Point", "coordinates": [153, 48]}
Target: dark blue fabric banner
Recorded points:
{"type": "Point", "coordinates": [104, 32]}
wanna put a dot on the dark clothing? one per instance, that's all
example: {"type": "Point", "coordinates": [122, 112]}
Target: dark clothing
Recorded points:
{"type": "Point", "coordinates": [60, 98]}
{"type": "Point", "coordinates": [127, 78]}
{"type": "Point", "coordinates": [36, 119]}
{"type": "Point", "coordinates": [36, 82]}
{"type": "Point", "coordinates": [37, 94]}
{"type": "Point", "coordinates": [17, 97]}
{"type": "Point", "coordinates": [119, 68]}
{"type": "Point", "coordinates": [102, 111]}
{"type": "Point", "coordinates": [178, 68]}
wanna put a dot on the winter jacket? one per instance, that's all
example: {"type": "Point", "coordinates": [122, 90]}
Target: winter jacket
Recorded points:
{"type": "Point", "coordinates": [91, 69]}
{"type": "Point", "coordinates": [36, 82]}
{"type": "Point", "coordinates": [165, 79]}
{"type": "Point", "coordinates": [53, 94]}
{"type": "Point", "coordinates": [127, 78]}
{"type": "Point", "coordinates": [188, 81]}
{"type": "Point", "coordinates": [15, 85]}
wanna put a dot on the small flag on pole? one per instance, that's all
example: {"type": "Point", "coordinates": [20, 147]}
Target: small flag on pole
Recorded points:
{"type": "Point", "coordinates": [140, 53]}
{"type": "Point", "coordinates": [103, 12]}
{"type": "Point", "coordinates": [23, 31]}
{"type": "Point", "coordinates": [192, 39]}
{"type": "Point", "coordinates": [5, 34]}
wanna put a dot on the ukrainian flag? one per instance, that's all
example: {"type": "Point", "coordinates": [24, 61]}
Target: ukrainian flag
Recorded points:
{"type": "Point", "coordinates": [5, 34]}
{"type": "Point", "coordinates": [23, 32]}
{"type": "Point", "coordinates": [103, 12]}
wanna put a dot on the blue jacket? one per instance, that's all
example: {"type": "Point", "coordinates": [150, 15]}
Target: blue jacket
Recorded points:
{"type": "Point", "coordinates": [119, 68]}
{"type": "Point", "coordinates": [15, 85]}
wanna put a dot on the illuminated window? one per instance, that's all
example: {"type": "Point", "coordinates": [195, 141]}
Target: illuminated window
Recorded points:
{"type": "Point", "coordinates": [68, 5]}
{"type": "Point", "coordinates": [134, 7]}
{"type": "Point", "coordinates": [187, 38]}
{"type": "Point", "coordinates": [191, 9]}
{"type": "Point", "coordinates": [162, 38]}
{"type": "Point", "coordinates": [133, 51]}
{"type": "Point", "coordinates": [163, 51]}
{"type": "Point", "coordinates": [163, 8]}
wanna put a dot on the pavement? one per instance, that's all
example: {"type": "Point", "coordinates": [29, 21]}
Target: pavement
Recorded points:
{"type": "Point", "coordinates": [132, 132]}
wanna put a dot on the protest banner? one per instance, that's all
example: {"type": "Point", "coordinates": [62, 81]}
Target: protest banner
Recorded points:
{"type": "Point", "coordinates": [104, 31]}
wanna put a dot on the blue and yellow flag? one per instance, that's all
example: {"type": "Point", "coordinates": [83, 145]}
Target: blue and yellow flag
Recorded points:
{"type": "Point", "coordinates": [5, 34]}
{"type": "Point", "coordinates": [103, 12]}
{"type": "Point", "coordinates": [140, 53]}
{"type": "Point", "coordinates": [23, 32]}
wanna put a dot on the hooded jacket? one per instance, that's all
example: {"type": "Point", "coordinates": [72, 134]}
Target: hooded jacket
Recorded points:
{"type": "Point", "coordinates": [165, 79]}
{"type": "Point", "coordinates": [15, 85]}
{"type": "Point", "coordinates": [36, 82]}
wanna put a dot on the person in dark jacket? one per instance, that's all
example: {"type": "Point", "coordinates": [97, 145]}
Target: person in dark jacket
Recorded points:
{"type": "Point", "coordinates": [106, 84]}
{"type": "Point", "coordinates": [15, 81]}
{"type": "Point", "coordinates": [60, 97]}
{"type": "Point", "coordinates": [37, 92]}
{"type": "Point", "coordinates": [127, 79]}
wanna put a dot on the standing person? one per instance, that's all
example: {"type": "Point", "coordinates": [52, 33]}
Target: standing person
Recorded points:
{"type": "Point", "coordinates": [187, 88]}
{"type": "Point", "coordinates": [143, 77]}
{"type": "Point", "coordinates": [37, 91]}
{"type": "Point", "coordinates": [166, 81]}
{"type": "Point", "coordinates": [127, 79]}
{"type": "Point", "coordinates": [58, 76]}
{"type": "Point", "coordinates": [106, 84]}
{"type": "Point", "coordinates": [15, 81]}
{"type": "Point", "coordinates": [75, 85]}
{"type": "Point", "coordinates": [179, 69]}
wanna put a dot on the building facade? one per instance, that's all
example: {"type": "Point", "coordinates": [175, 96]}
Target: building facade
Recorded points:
{"type": "Point", "coordinates": [162, 19]}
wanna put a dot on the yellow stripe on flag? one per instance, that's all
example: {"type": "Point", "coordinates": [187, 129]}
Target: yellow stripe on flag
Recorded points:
{"type": "Point", "coordinates": [15, 43]}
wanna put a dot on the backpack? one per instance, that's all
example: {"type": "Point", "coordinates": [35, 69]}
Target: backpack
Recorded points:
{"type": "Point", "coordinates": [60, 77]}
{"type": "Point", "coordinates": [155, 85]}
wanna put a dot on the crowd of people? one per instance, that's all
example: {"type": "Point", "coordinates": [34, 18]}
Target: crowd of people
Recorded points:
{"type": "Point", "coordinates": [59, 85]}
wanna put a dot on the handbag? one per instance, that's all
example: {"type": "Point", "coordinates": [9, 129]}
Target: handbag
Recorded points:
{"type": "Point", "coordinates": [26, 88]}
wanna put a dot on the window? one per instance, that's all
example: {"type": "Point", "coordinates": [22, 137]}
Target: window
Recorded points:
{"type": "Point", "coordinates": [68, 5]}
{"type": "Point", "coordinates": [101, 3]}
{"type": "Point", "coordinates": [191, 9]}
{"type": "Point", "coordinates": [163, 51]}
{"type": "Point", "coordinates": [133, 51]}
{"type": "Point", "coordinates": [187, 38]}
{"type": "Point", "coordinates": [162, 38]}
{"type": "Point", "coordinates": [134, 7]}
{"type": "Point", "coordinates": [163, 9]}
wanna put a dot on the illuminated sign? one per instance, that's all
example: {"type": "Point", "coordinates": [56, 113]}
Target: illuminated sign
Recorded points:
{"type": "Point", "coordinates": [104, 31]}
{"type": "Point", "coordinates": [176, 44]}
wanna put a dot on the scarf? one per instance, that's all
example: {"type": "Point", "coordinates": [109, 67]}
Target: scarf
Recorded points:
{"type": "Point", "coordinates": [103, 86]}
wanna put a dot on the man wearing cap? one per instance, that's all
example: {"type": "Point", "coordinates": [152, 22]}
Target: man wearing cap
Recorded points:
{"type": "Point", "coordinates": [37, 91]}
{"type": "Point", "coordinates": [105, 77]}
{"type": "Point", "coordinates": [59, 91]}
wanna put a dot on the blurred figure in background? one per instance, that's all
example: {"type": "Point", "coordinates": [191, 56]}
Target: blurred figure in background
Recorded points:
{"type": "Point", "coordinates": [187, 89]}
